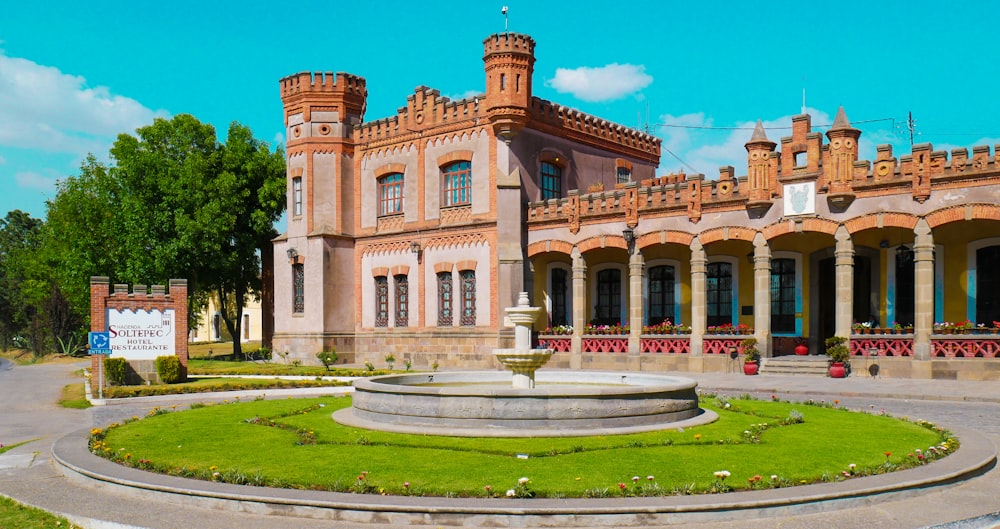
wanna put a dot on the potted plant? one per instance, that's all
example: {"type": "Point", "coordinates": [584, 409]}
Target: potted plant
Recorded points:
{"type": "Point", "coordinates": [751, 356]}
{"type": "Point", "coordinates": [801, 347]}
{"type": "Point", "coordinates": [837, 350]}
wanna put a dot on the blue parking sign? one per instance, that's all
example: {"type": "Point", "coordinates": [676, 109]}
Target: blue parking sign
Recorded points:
{"type": "Point", "coordinates": [100, 343]}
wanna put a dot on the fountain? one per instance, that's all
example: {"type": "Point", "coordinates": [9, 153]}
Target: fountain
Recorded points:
{"type": "Point", "coordinates": [531, 403]}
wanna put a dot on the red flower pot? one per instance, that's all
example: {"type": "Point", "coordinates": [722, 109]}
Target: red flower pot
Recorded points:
{"type": "Point", "coordinates": [837, 370]}
{"type": "Point", "coordinates": [801, 349]}
{"type": "Point", "coordinates": [750, 368]}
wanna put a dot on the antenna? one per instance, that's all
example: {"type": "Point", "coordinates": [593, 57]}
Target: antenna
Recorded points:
{"type": "Point", "coordinates": [909, 126]}
{"type": "Point", "coordinates": [503, 11]}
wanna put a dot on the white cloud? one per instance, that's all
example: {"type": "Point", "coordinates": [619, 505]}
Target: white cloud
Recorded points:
{"type": "Point", "coordinates": [2, 160]}
{"type": "Point", "coordinates": [279, 139]}
{"type": "Point", "coordinates": [605, 83]}
{"type": "Point", "coordinates": [33, 180]}
{"type": "Point", "coordinates": [43, 108]}
{"type": "Point", "coordinates": [465, 95]}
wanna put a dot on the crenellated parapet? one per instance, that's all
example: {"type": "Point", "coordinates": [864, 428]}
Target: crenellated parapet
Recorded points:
{"type": "Point", "coordinates": [341, 92]}
{"type": "Point", "coordinates": [426, 111]}
{"type": "Point", "coordinates": [557, 119]}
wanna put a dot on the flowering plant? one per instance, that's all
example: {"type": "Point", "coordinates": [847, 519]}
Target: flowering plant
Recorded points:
{"type": "Point", "coordinates": [617, 328]}
{"type": "Point", "coordinates": [559, 330]}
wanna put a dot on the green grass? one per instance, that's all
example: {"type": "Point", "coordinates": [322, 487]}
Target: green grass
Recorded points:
{"type": "Point", "coordinates": [4, 448]}
{"type": "Point", "coordinates": [13, 514]}
{"type": "Point", "coordinates": [74, 396]}
{"type": "Point", "coordinates": [295, 443]}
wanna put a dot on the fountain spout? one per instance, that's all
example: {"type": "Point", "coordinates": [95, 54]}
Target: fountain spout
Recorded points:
{"type": "Point", "coordinates": [522, 360]}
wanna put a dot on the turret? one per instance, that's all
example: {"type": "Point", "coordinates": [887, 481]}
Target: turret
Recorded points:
{"type": "Point", "coordinates": [843, 153]}
{"type": "Point", "coordinates": [509, 62]}
{"type": "Point", "coordinates": [762, 165]}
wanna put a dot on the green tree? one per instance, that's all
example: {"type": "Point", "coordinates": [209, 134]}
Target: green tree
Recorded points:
{"type": "Point", "coordinates": [174, 203]}
{"type": "Point", "coordinates": [19, 240]}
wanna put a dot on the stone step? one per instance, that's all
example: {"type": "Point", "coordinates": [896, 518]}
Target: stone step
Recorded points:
{"type": "Point", "coordinates": [800, 365]}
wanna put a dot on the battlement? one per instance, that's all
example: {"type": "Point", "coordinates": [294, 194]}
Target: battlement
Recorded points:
{"type": "Point", "coordinates": [323, 82]}
{"type": "Point", "coordinates": [569, 118]}
{"type": "Point", "coordinates": [426, 109]}
{"type": "Point", "coordinates": [509, 43]}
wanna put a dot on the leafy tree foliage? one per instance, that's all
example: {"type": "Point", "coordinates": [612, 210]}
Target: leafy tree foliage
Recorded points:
{"type": "Point", "coordinates": [174, 203]}
{"type": "Point", "coordinates": [19, 239]}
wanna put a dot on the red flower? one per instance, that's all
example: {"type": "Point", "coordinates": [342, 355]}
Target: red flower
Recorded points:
{"type": "Point", "coordinates": [887, 454]}
{"type": "Point", "coordinates": [621, 486]}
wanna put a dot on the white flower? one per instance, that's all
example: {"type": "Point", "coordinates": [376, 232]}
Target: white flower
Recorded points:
{"type": "Point", "coordinates": [522, 481]}
{"type": "Point", "coordinates": [722, 474]}
{"type": "Point", "coordinates": [774, 477]}
{"type": "Point", "coordinates": [852, 466]}
{"type": "Point", "coordinates": [511, 493]}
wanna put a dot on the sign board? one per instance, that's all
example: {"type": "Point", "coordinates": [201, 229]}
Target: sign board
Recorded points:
{"type": "Point", "coordinates": [100, 343]}
{"type": "Point", "coordinates": [142, 335]}
{"type": "Point", "coordinates": [800, 199]}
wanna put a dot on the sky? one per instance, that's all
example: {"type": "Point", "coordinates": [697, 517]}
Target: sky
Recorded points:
{"type": "Point", "coordinates": [696, 74]}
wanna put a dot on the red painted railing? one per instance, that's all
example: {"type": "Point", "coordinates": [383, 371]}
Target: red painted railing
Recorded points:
{"type": "Point", "coordinates": [965, 346]}
{"type": "Point", "coordinates": [604, 344]}
{"type": "Point", "coordinates": [882, 345]}
{"type": "Point", "coordinates": [665, 343]}
{"type": "Point", "coordinates": [716, 345]}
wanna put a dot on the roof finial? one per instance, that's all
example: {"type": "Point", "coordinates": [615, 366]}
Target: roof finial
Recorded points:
{"type": "Point", "coordinates": [758, 132]}
{"type": "Point", "coordinates": [840, 122]}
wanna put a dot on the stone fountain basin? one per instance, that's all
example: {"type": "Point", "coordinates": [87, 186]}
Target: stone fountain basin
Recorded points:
{"type": "Point", "coordinates": [563, 403]}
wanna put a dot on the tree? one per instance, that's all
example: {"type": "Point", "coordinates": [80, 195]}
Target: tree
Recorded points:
{"type": "Point", "coordinates": [19, 239]}
{"type": "Point", "coordinates": [175, 203]}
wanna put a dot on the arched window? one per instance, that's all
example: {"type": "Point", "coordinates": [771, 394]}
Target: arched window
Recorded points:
{"type": "Point", "coordinates": [661, 295]}
{"type": "Point", "coordinates": [783, 296]}
{"type": "Point", "coordinates": [551, 180]}
{"type": "Point", "coordinates": [904, 288]}
{"type": "Point", "coordinates": [468, 291]}
{"type": "Point", "coordinates": [719, 293]}
{"type": "Point", "coordinates": [445, 300]}
{"type": "Point", "coordinates": [402, 300]}
{"type": "Point", "coordinates": [390, 194]}
{"type": "Point", "coordinates": [457, 183]}
{"type": "Point", "coordinates": [381, 301]}
{"type": "Point", "coordinates": [609, 297]}
{"type": "Point", "coordinates": [298, 288]}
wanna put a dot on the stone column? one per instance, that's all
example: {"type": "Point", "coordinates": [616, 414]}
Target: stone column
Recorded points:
{"type": "Point", "coordinates": [635, 303]}
{"type": "Point", "coordinates": [762, 295]}
{"type": "Point", "coordinates": [698, 311]}
{"type": "Point", "coordinates": [844, 307]}
{"type": "Point", "coordinates": [579, 308]}
{"type": "Point", "coordinates": [923, 298]}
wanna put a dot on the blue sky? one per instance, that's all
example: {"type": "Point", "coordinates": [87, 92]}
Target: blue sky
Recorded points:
{"type": "Point", "coordinates": [75, 76]}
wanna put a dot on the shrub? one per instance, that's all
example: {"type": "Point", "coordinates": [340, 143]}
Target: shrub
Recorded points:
{"type": "Point", "coordinates": [328, 358]}
{"type": "Point", "coordinates": [837, 350]}
{"type": "Point", "coordinates": [169, 369]}
{"type": "Point", "coordinates": [114, 370]}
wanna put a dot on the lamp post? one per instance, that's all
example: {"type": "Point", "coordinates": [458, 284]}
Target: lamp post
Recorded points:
{"type": "Point", "coordinates": [629, 235]}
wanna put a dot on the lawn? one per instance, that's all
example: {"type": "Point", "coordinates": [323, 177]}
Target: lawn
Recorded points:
{"type": "Point", "coordinates": [295, 443]}
{"type": "Point", "coordinates": [13, 514]}
{"type": "Point", "coordinates": [201, 366]}
{"type": "Point", "coordinates": [206, 385]}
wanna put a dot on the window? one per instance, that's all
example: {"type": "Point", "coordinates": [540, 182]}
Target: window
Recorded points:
{"type": "Point", "coordinates": [298, 288]}
{"type": "Point", "coordinates": [609, 297]}
{"type": "Point", "coordinates": [661, 295]}
{"type": "Point", "coordinates": [297, 196]}
{"type": "Point", "coordinates": [624, 175]}
{"type": "Point", "coordinates": [390, 194]}
{"type": "Point", "coordinates": [402, 300]}
{"type": "Point", "coordinates": [458, 184]}
{"type": "Point", "coordinates": [558, 294]}
{"type": "Point", "coordinates": [444, 299]}
{"type": "Point", "coordinates": [246, 327]}
{"type": "Point", "coordinates": [381, 301]}
{"type": "Point", "coordinates": [719, 294]}
{"type": "Point", "coordinates": [783, 296]}
{"type": "Point", "coordinates": [551, 181]}
{"type": "Point", "coordinates": [468, 290]}
{"type": "Point", "coordinates": [988, 285]}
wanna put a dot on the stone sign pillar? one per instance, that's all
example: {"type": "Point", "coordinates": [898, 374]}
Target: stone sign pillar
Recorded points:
{"type": "Point", "coordinates": [142, 325]}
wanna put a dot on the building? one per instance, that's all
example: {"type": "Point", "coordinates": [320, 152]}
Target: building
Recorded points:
{"type": "Point", "coordinates": [410, 235]}
{"type": "Point", "coordinates": [211, 328]}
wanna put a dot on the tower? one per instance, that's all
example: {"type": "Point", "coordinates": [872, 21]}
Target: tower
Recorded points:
{"type": "Point", "coordinates": [509, 62]}
{"type": "Point", "coordinates": [762, 165]}
{"type": "Point", "coordinates": [843, 153]}
{"type": "Point", "coordinates": [321, 113]}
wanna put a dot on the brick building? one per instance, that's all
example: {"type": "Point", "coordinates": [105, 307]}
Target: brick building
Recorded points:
{"type": "Point", "coordinates": [410, 235]}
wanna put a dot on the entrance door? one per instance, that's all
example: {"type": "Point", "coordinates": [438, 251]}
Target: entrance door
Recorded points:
{"type": "Point", "coordinates": [827, 301]}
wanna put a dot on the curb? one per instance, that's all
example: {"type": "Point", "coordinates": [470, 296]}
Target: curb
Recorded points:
{"type": "Point", "coordinates": [976, 456]}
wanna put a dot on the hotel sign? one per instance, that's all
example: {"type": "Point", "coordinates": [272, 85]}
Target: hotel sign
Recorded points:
{"type": "Point", "coordinates": [141, 335]}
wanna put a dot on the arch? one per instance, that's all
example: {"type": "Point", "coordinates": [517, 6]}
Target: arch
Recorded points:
{"type": "Point", "coordinates": [602, 241]}
{"type": "Point", "coordinates": [727, 233]}
{"type": "Point", "coordinates": [390, 168]}
{"type": "Point", "coordinates": [963, 212]}
{"type": "Point", "coordinates": [550, 245]}
{"type": "Point", "coordinates": [814, 225]}
{"type": "Point", "coordinates": [664, 237]}
{"type": "Point", "coordinates": [454, 156]}
{"type": "Point", "coordinates": [881, 220]}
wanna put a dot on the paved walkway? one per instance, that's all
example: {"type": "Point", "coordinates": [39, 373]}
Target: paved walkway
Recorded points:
{"type": "Point", "coordinates": [28, 474]}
